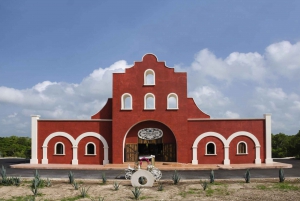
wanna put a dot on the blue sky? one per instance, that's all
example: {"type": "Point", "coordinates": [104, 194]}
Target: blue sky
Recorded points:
{"type": "Point", "coordinates": [56, 57]}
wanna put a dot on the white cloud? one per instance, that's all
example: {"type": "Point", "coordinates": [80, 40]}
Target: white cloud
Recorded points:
{"type": "Point", "coordinates": [232, 115]}
{"type": "Point", "coordinates": [240, 85]}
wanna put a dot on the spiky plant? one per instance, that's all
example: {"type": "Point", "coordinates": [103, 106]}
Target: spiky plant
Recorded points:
{"type": "Point", "coordinates": [83, 191]}
{"type": "Point", "coordinates": [104, 179]}
{"type": "Point", "coordinates": [116, 186]}
{"type": "Point", "coordinates": [136, 192]}
{"type": "Point", "coordinates": [247, 176]}
{"type": "Point", "coordinates": [212, 176]}
{"type": "Point", "coordinates": [281, 175]}
{"type": "Point", "coordinates": [37, 175]}
{"type": "Point", "coordinates": [204, 184]}
{"type": "Point", "coordinates": [3, 173]}
{"type": "Point", "coordinates": [71, 177]}
{"type": "Point", "coordinates": [35, 186]}
{"type": "Point", "coordinates": [75, 184]}
{"type": "Point", "coordinates": [48, 182]}
{"type": "Point", "coordinates": [176, 177]}
{"type": "Point", "coordinates": [160, 187]}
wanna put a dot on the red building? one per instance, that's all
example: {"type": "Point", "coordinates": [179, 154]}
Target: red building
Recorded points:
{"type": "Point", "coordinates": [150, 114]}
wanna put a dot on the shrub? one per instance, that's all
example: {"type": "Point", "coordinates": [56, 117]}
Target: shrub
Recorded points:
{"type": "Point", "coordinates": [75, 184]}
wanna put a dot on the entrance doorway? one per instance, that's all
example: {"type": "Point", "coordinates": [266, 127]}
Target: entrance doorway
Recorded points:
{"type": "Point", "coordinates": [163, 148]}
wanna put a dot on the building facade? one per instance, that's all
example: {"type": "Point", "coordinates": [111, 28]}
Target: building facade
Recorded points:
{"type": "Point", "coordinates": [150, 114]}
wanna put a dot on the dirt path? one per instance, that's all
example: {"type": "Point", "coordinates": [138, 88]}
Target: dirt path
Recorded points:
{"type": "Point", "coordinates": [185, 190]}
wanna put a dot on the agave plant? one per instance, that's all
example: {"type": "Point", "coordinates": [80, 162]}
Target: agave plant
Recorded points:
{"type": "Point", "coordinates": [35, 186]}
{"type": "Point", "coordinates": [247, 176]}
{"type": "Point", "coordinates": [83, 191]}
{"type": "Point", "coordinates": [176, 177]}
{"type": "Point", "coordinates": [204, 184]}
{"type": "Point", "coordinates": [160, 187]}
{"type": "Point", "coordinates": [212, 176]}
{"type": "Point", "coordinates": [75, 184]}
{"type": "Point", "coordinates": [116, 186]}
{"type": "Point", "coordinates": [71, 177]}
{"type": "Point", "coordinates": [104, 179]}
{"type": "Point", "coordinates": [3, 174]}
{"type": "Point", "coordinates": [281, 175]}
{"type": "Point", "coordinates": [136, 192]}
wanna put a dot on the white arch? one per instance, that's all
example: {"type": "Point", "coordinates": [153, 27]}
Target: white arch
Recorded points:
{"type": "Point", "coordinates": [209, 134]}
{"type": "Point", "coordinates": [253, 138]}
{"type": "Point", "coordinates": [148, 95]}
{"type": "Point", "coordinates": [98, 136]}
{"type": "Point", "coordinates": [215, 148]}
{"type": "Point", "coordinates": [174, 95]}
{"type": "Point", "coordinates": [86, 148]}
{"type": "Point", "coordinates": [237, 147]}
{"type": "Point", "coordinates": [55, 148]}
{"type": "Point", "coordinates": [75, 145]}
{"type": "Point", "coordinates": [123, 97]}
{"type": "Point", "coordinates": [149, 72]}
{"type": "Point", "coordinates": [46, 141]}
{"type": "Point", "coordinates": [243, 133]}
{"type": "Point", "coordinates": [226, 145]}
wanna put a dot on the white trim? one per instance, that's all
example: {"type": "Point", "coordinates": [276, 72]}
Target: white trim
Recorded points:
{"type": "Point", "coordinates": [149, 72]}
{"type": "Point", "coordinates": [215, 148]}
{"type": "Point", "coordinates": [34, 139]}
{"type": "Point", "coordinates": [222, 119]}
{"type": "Point", "coordinates": [75, 120]}
{"type": "Point", "coordinates": [55, 150]}
{"type": "Point", "coordinates": [86, 150]}
{"type": "Point", "coordinates": [174, 95]}
{"type": "Point", "coordinates": [123, 97]}
{"type": "Point", "coordinates": [269, 158]}
{"type": "Point", "coordinates": [237, 148]}
{"type": "Point", "coordinates": [147, 95]}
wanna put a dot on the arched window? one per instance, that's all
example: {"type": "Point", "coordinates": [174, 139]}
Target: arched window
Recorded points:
{"type": "Point", "coordinates": [126, 101]}
{"type": "Point", "coordinates": [90, 148]}
{"type": "Point", "coordinates": [172, 101]}
{"type": "Point", "coordinates": [149, 77]}
{"type": "Point", "coordinates": [59, 148]}
{"type": "Point", "coordinates": [149, 101]}
{"type": "Point", "coordinates": [210, 148]}
{"type": "Point", "coordinates": [242, 148]}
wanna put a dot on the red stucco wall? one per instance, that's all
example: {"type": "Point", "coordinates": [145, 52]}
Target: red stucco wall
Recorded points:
{"type": "Point", "coordinates": [74, 128]}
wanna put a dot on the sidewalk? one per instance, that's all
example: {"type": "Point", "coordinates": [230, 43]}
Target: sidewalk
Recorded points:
{"type": "Point", "coordinates": [159, 165]}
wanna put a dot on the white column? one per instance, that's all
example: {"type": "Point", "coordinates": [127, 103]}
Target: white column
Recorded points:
{"type": "Point", "coordinates": [269, 158]}
{"type": "Point", "coordinates": [34, 150]}
{"type": "Point", "coordinates": [105, 161]}
{"type": "Point", "coordinates": [226, 155]}
{"type": "Point", "coordinates": [45, 159]}
{"type": "Point", "coordinates": [257, 157]}
{"type": "Point", "coordinates": [75, 160]}
{"type": "Point", "coordinates": [194, 161]}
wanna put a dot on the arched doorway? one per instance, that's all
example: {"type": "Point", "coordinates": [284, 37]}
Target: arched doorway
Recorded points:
{"type": "Point", "coordinates": [150, 138]}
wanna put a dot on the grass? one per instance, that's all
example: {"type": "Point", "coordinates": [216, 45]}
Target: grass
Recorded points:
{"type": "Point", "coordinates": [286, 187]}
{"type": "Point", "coordinates": [261, 187]}
{"type": "Point", "coordinates": [71, 198]}
{"type": "Point", "coordinates": [209, 192]}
